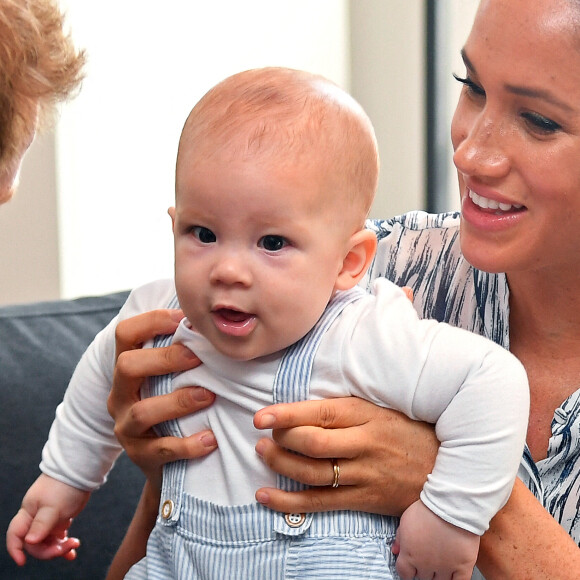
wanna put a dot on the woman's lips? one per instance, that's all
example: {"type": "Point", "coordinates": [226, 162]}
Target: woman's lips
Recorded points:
{"type": "Point", "coordinates": [489, 215]}
{"type": "Point", "coordinates": [233, 322]}
{"type": "Point", "coordinates": [491, 204]}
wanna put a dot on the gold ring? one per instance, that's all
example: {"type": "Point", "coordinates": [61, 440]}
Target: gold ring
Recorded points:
{"type": "Point", "coordinates": [336, 473]}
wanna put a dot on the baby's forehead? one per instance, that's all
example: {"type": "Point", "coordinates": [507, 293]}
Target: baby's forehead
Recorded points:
{"type": "Point", "coordinates": [291, 118]}
{"type": "Point", "coordinates": [282, 103]}
{"type": "Point", "coordinates": [260, 142]}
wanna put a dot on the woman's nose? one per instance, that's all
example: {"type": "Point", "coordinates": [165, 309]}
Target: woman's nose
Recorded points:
{"type": "Point", "coordinates": [480, 147]}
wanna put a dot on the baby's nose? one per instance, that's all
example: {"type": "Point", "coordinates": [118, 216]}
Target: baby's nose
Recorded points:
{"type": "Point", "coordinates": [231, 269]}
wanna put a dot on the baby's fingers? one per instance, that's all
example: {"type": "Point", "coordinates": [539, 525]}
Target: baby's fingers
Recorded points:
{"type": "Point", "coordinates": [45, 521]}
{"type": "Point", "coordinates": [17, 529]}
{"type": "Point", "coordinates": [406, 569]}
{"type": "Point", "coordinates": [54, 547]}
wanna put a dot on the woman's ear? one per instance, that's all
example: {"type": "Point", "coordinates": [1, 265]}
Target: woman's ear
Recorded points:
{"type": "Point", "coordinates": [362, 248]}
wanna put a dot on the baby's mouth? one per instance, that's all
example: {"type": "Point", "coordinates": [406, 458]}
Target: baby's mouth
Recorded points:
{"type": "Point", "coordinates": [233, 322]}
{"type": "Point", "coordinates": [232, 315]}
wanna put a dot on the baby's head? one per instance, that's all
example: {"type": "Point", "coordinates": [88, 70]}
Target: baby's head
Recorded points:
{"type": "Point", "coordinates": [276, 172]}
{"type": "Point", "coordinates": [288, 118]}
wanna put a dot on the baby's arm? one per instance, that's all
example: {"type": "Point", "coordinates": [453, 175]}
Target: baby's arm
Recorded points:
{"type": "Point", "coordinates": [428, 547]}
{"type": "Point", "coordinates": [40, 527]}
{"type": "Point", "coordinates": [81, 447]}
{"type": "Point", "coordinates": [473, 390]}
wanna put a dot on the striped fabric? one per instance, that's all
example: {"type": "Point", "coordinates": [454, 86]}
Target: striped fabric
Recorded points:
{"type": "Point", "coordinates": [202, 540]}
{"type": "Point", "coordinates": [422, 251]}
{"type": "Point", "coordinates": [196, 539]}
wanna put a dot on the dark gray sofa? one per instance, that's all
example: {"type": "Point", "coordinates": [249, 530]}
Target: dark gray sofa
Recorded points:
{"type": "Point", "coordinates": [40, 345]}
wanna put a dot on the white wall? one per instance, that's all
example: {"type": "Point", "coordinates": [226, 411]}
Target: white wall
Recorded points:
{"type": "Point", "coordinates": [148, 64]}
{"type": "Point", "coordinates": [116, 147]}
{"type": "Point", "coordinates": [388, 78]}
{"type": "Point", "coordinates": [456, 17]}
{"type": "Point", "coordinates": [29, 252]}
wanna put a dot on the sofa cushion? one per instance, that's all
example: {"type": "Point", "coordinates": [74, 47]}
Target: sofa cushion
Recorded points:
{"type": "Point", "coordinates": [40, 345]}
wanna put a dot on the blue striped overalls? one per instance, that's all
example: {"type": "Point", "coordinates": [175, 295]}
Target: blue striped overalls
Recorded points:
{"type": "Point", "coordinates": [196, 539]}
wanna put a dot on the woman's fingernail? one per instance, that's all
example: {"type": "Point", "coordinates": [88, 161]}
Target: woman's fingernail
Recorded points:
{"type": "Point", "coordinates": [262, 497]}
{"type": "Point", "coordinates": [208, 440]}
{"type": "Point", "coordinates": [267, 420]}
{"type": "Point", "coordinates": [176, 315]}
{"type": "Point", "coordinates": [260, 448]}
{"type": "Point", "coordinates": [201, 395]}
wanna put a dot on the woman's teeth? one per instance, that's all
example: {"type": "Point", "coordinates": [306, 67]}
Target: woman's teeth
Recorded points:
{"type": "Point", "coordinates": [486, 203]}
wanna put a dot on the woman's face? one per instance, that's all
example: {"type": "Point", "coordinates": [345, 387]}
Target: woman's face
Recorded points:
{"type": "Point", "coordinates": [516, 137]}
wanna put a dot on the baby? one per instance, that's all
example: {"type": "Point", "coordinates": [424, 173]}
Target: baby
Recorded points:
{"type": "Point", "coordinates": [276, 172]}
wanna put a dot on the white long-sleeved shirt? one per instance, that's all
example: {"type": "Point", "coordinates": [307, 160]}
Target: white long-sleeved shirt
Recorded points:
{"type": "Point", "coordinates": [378, 349]}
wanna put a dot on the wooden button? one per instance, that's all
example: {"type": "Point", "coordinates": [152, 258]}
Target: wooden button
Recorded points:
{"type": "Point", "coordinates": [166, 509]}
{"type": "Point", "coordinates": [294, 520]}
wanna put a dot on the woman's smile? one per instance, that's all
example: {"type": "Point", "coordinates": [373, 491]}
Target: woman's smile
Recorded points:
{"type": "Point", "coordinates": [486, 203]}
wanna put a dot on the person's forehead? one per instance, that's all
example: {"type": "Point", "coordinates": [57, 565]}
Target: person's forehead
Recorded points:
{"type": "Point", "coordinates": [529, 43]}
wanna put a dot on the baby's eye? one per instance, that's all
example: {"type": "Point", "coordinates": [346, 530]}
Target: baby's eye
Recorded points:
{"type": "Point", "coordinates": [273, 243]}
{"type": "Point", "coordinates": [204, 235]}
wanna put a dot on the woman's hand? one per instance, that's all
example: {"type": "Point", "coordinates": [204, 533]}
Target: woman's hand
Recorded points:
{"type": "Point", "coordinates": [134, 418]}
{"type": "Point", "coordinates": [384, 457]}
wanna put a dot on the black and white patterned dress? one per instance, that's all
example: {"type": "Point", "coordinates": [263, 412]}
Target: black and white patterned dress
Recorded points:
{"type": "Point", "coordinates": [422, 251]}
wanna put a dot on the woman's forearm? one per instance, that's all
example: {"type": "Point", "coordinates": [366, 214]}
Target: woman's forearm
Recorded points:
{"type": "Point", "coordinates": [524, 542]}
{"type": "Point", "coordinates": [134, 544]}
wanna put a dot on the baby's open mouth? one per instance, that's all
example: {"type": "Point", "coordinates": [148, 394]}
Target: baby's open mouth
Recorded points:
{"type": "Point", "coordinates": [231, 315]}
{"type": "Point", "coordinates": [234, 322]}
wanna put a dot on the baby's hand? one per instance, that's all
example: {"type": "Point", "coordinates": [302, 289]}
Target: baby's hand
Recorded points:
{"type": "Point", "coordinates": [55, 544]}
{"type": "Point", "coordinates": [429, 547]}
{"type": "Point", "coordinates": [40, 527]}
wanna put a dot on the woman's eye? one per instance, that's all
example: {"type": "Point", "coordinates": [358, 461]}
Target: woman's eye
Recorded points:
{"type": "Point", "coordinates": [273, 243]}
{"type": "Point", "coordinates": [472, 88]}
{"type": "Point", "coordinates": [541, 123]}
{"type": "Point", "coordinates": [204, 235]}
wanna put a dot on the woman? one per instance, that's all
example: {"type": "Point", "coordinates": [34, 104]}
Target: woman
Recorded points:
{"type": "Point", "coordinates": [516, 137]}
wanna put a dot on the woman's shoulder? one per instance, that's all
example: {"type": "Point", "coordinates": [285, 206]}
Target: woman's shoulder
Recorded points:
{"type": "Point", "coordinates": [423, 251]}
{"type": "Point", "coordinates": [414, 221]}
{"type": "Point", "coordinates": [414, 244]}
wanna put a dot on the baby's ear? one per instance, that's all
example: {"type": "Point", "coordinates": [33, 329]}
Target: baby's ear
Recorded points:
{"type": "Point", "coordinates": [363, 246]}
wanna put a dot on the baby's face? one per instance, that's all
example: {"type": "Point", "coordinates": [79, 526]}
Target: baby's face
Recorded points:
{"type": "Point", "coordinates": [257, 252]}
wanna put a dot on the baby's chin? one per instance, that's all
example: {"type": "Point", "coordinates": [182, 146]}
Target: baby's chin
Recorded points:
{"type": "Point", "coordinates": [244, 355]}
{"type": "Point", "coordinates": [245, 352]}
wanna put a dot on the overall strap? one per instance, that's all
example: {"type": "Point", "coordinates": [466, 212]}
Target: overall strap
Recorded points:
{"type": "Point", "coordinates": [292, 381]}
{"type": "Point", "coordinates": [173, 473]}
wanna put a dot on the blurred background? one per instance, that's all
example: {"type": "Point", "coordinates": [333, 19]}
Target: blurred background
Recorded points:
{"type": "Point", "coordinates": [90, 216]}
